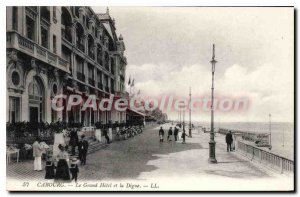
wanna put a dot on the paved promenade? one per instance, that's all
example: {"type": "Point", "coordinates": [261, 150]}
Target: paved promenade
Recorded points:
{"type": "Point", "coordinates": [170, 165]}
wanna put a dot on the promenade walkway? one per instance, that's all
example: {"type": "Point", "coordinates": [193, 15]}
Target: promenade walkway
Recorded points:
{"type": "Point", "coordinates": [167, 166]}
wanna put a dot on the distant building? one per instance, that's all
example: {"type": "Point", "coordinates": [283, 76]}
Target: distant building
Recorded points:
{"type": "Point", "coordinates": [69, 50]}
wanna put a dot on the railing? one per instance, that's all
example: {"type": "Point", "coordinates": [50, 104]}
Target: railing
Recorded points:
{"type": "Point", "coordinates": [63, 62]}
{"type": "Point", "coordinates": [80, 76]}
{"type": "Point", "coordinates": [26, 43]}
{"type": "Point", "coordinates": [45, 23]}
{"type": "Point", "coordinates": [17, 41]}
{"type": "Point", "coordinates": [271, 160]}
{"type": "Point", "coordinates": [91, 81]}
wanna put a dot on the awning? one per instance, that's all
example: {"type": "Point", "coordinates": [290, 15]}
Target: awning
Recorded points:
{"type": "Point", "coordinates": [134, 112]}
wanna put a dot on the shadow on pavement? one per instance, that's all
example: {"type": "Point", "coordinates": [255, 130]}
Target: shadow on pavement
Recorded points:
{"type": "Point", "coordinates": [127, 159]}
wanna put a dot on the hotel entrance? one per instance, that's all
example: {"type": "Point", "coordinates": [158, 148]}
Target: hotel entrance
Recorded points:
{"type": "Point", "coordinates": [36, 101]}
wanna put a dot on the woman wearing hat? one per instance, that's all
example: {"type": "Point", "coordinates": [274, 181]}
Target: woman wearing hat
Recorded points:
{"type": "Point", "coordinates": [62, 170]}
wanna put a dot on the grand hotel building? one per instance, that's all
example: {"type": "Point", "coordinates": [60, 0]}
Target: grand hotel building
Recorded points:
{"type": "Point", "coordinates": [62, 50]}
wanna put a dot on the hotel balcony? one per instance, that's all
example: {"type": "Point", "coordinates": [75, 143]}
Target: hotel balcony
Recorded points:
{"type": "Point", "coordinates": [29, 47]}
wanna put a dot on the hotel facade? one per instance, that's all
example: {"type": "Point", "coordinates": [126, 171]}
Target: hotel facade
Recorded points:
{"type": "Point", "coordinates": [62, 50]}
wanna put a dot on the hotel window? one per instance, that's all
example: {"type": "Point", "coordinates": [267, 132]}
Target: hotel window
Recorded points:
{"type": "Point", "coordinates": [15, 78]}
{"type": "Point", "coordinates": [54, 44]}
{"type": "Point", "coordinates": [30, 28]}
{"type": "Point", "coordinates": [54, 11]}
{"type": "Point", "coordinates": [15, 18]}
{"type": "Point", "coordinates": [44, 36]}
{"type": "Point", "coordinates": [14, 109]}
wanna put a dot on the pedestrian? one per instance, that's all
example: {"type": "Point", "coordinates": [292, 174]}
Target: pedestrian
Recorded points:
{"type": "Point", "coordinates": [175, 133]}
{"type": "Point", "coordinates": [37, 154]}
{"type": "Point", "coordinates": [83, 146]}
{"type": "Point", "coordinates": [62, 170]}
{"type": "Point", "coordinates": [74, 169]}
{"type": "Point", "coordinates": [105, 133]}
{"type": "Point", "coordinates": [229, 140]}
{"type": "Point", "coordinates": [161, 133]}
{"type": "Point", "coordinates": [73, 141]}
{"type": "Point", "coordinates": [183, 136]}
{"type": "Point", "coordinates": [50, 167]}
{"type": "Point", "coordinates": [170, 133]}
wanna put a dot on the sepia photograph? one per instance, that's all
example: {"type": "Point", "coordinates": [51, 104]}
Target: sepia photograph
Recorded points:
{"type": "Point", "coordinates": [140, 98]}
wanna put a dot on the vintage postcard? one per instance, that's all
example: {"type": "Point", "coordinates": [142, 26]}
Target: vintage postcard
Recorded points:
{"type": "Point", "coordinates": [149, 98]}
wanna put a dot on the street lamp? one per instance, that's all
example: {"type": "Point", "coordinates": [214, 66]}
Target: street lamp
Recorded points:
{"type": "Point", "coordinates": [190, 121]}
{"type": "Point", "coordinates": [212, 143]}
{"type": "Point", "coordinates": [270, 130]}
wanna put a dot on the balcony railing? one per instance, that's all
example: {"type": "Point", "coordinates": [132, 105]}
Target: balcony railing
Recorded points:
{"type": "Point", "coordinates": [100, 85]}
{"type": "Point", "coordinates": [80, 76]}
{"type": "Point", "coordinates": [91, 81]}
{"type": "Point", "coordinates": [266, 158]}
{"type": "Point", "coordinates": [25, 45]}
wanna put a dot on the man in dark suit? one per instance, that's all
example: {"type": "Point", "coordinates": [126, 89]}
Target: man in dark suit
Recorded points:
{"type": "Point", "coordinates": [161, 133]}
{"type": "Point", "coordinates": [73, 140]}
{"type": "Point", "coordinates": [105, 133]}
{"type": "Point", "coordinates": [175, 133]}
{"type": "Point", "coordinates": [229, 140]}
{"type": "Point", "coordinates": [83, 146]}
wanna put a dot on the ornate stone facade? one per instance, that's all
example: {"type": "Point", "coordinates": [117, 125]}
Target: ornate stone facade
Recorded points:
{"type": "Point", "coordinates": [62, 50]}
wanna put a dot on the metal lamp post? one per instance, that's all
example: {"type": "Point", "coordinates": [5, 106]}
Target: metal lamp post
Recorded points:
{"type": "Point", "coordinates": [270, 130]}
{"type": "Point", "coordinates": [190, 121]}
{"type": "Point", "coordinates": [212, 143]}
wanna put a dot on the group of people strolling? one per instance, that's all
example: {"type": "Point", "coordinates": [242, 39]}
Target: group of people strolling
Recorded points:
{"type": "Point", "coordinates": [65, 165]}
{"type": "Point", "coordinates": [161, 134]}
{"type": "Point", "coordinates": [62, 170]}
{"type": "Point", "coordinates": [82, 146]}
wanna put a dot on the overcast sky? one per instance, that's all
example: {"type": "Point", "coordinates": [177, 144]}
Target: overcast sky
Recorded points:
{"type": "Point", "coordinates": [169, 48]}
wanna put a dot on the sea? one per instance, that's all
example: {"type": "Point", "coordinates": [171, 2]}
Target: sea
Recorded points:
{"type": "Point", "coordinates": [282, 134]}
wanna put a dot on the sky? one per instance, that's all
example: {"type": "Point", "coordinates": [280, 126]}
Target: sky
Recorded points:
{"type": "Point", "coordinates": [169, 49]}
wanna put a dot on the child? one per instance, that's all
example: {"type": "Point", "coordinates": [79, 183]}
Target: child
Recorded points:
{"type": "Point", "coordinates": [49, 168]}
{"type": "Point", "coordinates": [74, 168]}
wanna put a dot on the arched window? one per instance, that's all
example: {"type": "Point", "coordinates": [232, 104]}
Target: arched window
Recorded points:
{"type": "Point", "coordinates": [80, 37]}
{"type": "Point", "coordinates": [106, 57]}
{"type": "Point", "coordinates": [77, 11]}
{"type": "Point", "coordinates": [112, 65]}
{"type": "Point", "coordinates": [36, 101]}
{"type": "Point", "coordinates": [91, 52]}
{"type": "Point", "coordinates": [34, 89]}
{"type": "Point", "coordinates": [66, 24]}
{"type": "Point", "coordinates": [99, 55]}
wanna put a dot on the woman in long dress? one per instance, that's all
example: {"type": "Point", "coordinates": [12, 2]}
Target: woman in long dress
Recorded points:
{"type": "Point", "coordinates": [62, 169]}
